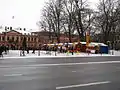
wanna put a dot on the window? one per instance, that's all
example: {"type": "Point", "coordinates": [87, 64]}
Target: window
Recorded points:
{"type": "Point", "coordinates": [32, 39]}
{"type": "Point", "coordinates": [24, 29]}
{"type": "Point", "coordinates": [10, 28]}
{"type": "Point", "coordinates": [3, 38]}
{"type": "Point", "coordinates": [21, 38]}
{"type": "Point", "coordinates": [28, 38]}
{"type": "Point", "coordinates": [12, 38]}
{"type": "Point", "coordinates": [117, 37]}
{"type": "Point", "coordinates": [35, 39]}
{"type": "Point", "coordinates": [8, 38]}
{"type": "Point", "coordinates": [17, 38]}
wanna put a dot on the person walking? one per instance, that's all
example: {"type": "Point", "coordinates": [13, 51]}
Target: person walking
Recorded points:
{"type": "Point", "coordinates": [1, 51]}
{"type": "Point", "coordinates": [27, 50]}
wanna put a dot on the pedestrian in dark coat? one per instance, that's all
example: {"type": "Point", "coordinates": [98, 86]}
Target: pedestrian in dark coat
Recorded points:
{"type": "Point", "coordinates": [1, 51]}
{"type": "Point", "coordinates": [28, 50]}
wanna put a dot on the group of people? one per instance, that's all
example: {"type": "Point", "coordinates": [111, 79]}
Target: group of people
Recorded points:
{"type": "Point", "coordinates": [27, 49]}
{"type": "Point", "coordinates": [62, 48]}
{"type": "Point", "coordinates": [4, 49]}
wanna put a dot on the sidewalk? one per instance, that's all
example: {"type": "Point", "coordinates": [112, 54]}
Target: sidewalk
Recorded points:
{"type": "Point", "coordinates": [16, 54]}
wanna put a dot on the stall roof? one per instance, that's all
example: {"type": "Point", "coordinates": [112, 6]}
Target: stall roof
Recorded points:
{"type": "Point", "coordinates": [91, 44]}
{"type": "Point", "coordinates": [97, 44]}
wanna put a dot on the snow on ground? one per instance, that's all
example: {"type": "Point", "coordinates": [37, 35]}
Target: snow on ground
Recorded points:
{"type": "Point", "coordinates": [116, 53]}
{"type": "Point", "coordinates": [16, 54]}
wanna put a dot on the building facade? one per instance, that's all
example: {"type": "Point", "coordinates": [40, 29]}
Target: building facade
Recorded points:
{"type": "Point", "coordinates": [14, 39]}
{"type": "Point", "coordinates": [50, 37]}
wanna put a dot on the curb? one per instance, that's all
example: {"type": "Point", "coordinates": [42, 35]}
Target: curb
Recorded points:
{"type": "Point", "coordinates": [25, 57]}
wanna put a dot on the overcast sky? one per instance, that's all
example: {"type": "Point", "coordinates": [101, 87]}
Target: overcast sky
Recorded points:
{"type": "Point", "coordinates": [26, 12]}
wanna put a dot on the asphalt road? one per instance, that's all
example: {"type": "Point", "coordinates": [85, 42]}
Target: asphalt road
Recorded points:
{"type": "Point", "coordinates": [97, 73]}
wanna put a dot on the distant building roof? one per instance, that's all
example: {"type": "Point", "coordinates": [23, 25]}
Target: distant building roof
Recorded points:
{"type": "Point", "coordinates": [17, 30]}
{"type": "Point", "coordinates": [23, 32]}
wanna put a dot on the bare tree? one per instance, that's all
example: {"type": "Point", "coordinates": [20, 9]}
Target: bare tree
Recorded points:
{"type": "Point", "coordinates": [68, 13]}
{"type": "Point", "coordinates": [106, 18]}
{"type": "Point", "coordinates": [78, 17]}
{"type": "Point", "coordinates": [82, 17]}
{"type": "Point", "coordinates": [66, 16]}
{"type": "Point", "coordinates": [52, 17]}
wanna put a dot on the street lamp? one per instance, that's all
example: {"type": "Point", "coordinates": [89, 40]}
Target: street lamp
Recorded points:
{"type": "Point", "coordinates": [24, 45]}
{"type": "Point", "coordinates": [39, 49]}
{"type": "Point", "coordinates": [55, 48]}
{"type": "Point", "coordinates": [5, 42]}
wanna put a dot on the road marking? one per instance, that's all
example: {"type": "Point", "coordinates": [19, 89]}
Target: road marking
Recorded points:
{"type": "Point", "coordinates": [61, 64]}
{"type": "Point", "coordinates": [10, 75]}
{"type": "Point", "coordinates": [66, 56]}
{"type": "Point", "coordinates": [83, 85]}
{"type": "Point", "coordinates": [40, 67]}
{"type": "Point", "coordinates": [69, 64]}
{"type": "Point", "coordinates": [74, 71]}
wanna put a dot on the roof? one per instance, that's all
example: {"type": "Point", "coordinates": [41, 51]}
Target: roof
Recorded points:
{"type": "Point", "coordinates": [2, 30]}
{"type": "Point", "coordinates": [45, 33]}
{"type": "Point", "coordinates": [80, 42]}
{"type": "Point", "coordinates": [97, 44]}
{"type": "Point", "coordinates": [19, 31]}
{"type": "Point", "coordinates": [93, 44]}
{"type": "Point", "coordinates": [13, 31]}
{"type": "Point", "coordinates": [23, 32]}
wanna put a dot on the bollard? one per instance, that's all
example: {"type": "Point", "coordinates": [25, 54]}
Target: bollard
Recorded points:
{"type": "Point", "coordinates": [39, 53]}
{"type": "Point", "coordinates": [20, 53]}
{"type": "Point", "coordinates": [112, 52]}
{"type": "Point", "coordinates": [55, 53]}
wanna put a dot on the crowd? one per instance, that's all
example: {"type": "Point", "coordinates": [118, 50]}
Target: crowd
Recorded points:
{"type": "Point", "coordinates": [3, 48]}
{"type": "Point", "coordinates": [64, 48]}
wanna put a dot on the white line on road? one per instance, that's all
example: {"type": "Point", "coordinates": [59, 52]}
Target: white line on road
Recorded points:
{"type": "Point", "coordinates": [74, 71]}
{"type": "Point", "coordinates": [62, 64]}
{"type": "Point", "coordinates": [69, 64]}
{"type": "Point", "coordinates": [59, 56]}
{"type": "Point", "coordinates": [83, 85]}
{"type": "Point", "coordinates": [10, 75]}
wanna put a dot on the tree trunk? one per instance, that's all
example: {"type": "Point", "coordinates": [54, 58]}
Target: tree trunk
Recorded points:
{"type": "Point", "coordinates": [69, 27]}
{"type": "Point", "coordinates": [58, 39]}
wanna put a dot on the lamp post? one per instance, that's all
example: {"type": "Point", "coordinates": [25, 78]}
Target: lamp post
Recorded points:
{"type": "Point", "coordinates": [55, 48]}
{"type": "Point", "coordinates": [5, 39]}
{"type": "Point", "coordinates": [39, 49]}
{"type": "Point", "coordinates": [112, 47]}
{"type": "Point", "coordinates": [5, 34]}
{"type": "Point", "coordinates": [113, 43]}
{"type": "Point", "coordinates": [24, 45]}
